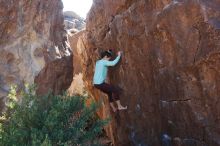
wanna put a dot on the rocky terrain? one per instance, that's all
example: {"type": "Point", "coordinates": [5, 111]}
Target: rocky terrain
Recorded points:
{"type": "Point", "coordinates": [169, 70]}
{"type": "Point", "coordinates": [32, 35]}
{"type": "Point", "coordinates": [75, 25]}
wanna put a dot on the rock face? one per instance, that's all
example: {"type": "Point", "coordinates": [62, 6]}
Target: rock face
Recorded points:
{"type": "Point", "coordinates": [31, 35]}
{"type": "Point", "coordinates": [76, 49]}
{"type": "Point", "coordinates": [77, 85]}
{"type": "Point", "coordinates": [56, 76]}
{"type": "Point", "coordinates": [169, 70]}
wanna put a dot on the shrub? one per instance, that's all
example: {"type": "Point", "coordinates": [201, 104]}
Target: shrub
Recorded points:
{"type": "Point", "coordinates": [49, 120]}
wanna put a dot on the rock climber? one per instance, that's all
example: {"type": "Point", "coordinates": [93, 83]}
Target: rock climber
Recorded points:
{"type": "Point", "coordinates": [99, 79]}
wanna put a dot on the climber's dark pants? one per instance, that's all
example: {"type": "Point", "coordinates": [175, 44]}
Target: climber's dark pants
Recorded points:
{"type": "Point", "coordinates": [110, 90]}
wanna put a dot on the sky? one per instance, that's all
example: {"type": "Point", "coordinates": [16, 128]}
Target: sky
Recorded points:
{"type": "Point", "coordinates": [81, 7]}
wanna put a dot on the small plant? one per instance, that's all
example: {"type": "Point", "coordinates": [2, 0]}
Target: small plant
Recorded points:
{"type": "Point", "coordinates": [49, 120]}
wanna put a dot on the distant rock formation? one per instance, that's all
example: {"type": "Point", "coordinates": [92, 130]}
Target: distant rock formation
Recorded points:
{"type": "Point", "coordinates": [73, 21]}
{"type": "Point", "coordinates": [169, 69]}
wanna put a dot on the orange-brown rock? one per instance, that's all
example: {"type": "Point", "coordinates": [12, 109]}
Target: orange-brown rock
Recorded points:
{"type": "Point", "coordinates": [77, 85]}
{"type": "Point", "coordinates": [56, 76]}
{"type": "Point", "coordinates": [169, 69]}
{"type": "Point", "coordinates": [31, 35]}
{"type": "Point", "coordinates": [73, 40]}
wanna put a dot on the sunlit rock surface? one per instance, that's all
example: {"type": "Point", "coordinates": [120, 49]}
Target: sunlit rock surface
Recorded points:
{"type": "Point", "coordinates": [31, 35]}
{"type": "Point", "coordinates": [77, 85]}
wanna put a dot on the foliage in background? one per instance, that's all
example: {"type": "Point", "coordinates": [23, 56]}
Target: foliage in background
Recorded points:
{"type": "Point", "coordinates": [49, 120]}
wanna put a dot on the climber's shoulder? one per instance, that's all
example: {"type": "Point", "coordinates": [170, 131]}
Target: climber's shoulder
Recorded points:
{"type": "Point", "coordinates": [101, 61]}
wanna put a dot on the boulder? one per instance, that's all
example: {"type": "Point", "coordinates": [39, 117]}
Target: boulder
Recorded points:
{"type": "Point", "coordinates": [73, 21]}
{"type": "Point", "coordinates": [169, 69]}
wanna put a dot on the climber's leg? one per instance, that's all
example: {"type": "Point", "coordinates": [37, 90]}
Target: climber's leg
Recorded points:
{"type": "Point", "coordinates": [111, 91]}
{"type": "Point", "coordinates": [116, 93]}
{"type": "Point", "coordinates": [107, 90]}
{"type": "Point", "coordinates": [113, 107]}
{"type": "Point", "coordinates": [111, 101]}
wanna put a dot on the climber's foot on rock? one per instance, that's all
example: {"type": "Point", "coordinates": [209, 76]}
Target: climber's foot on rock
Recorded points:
{"type": "Point", "coordinates": [114, 110]}
{"type": "Point", "coordinates": [122, 108]}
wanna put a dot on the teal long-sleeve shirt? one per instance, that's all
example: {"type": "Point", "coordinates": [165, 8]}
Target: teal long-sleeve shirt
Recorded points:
{"type": "Point", "coordinates": [101, 69]}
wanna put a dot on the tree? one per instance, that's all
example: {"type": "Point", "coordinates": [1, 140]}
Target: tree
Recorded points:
{"type": "Point", "coordinates": [49, 120]}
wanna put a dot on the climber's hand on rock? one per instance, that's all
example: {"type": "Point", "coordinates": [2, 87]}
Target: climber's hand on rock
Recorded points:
{"type": "Point", "coordinates": [119, 53]}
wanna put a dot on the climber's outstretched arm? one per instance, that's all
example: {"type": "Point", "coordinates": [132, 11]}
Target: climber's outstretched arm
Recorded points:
{"type": "Point", "coordinates": [114, 62]}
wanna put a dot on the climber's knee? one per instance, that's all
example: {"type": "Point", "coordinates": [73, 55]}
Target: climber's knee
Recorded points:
{"type": "Point", "coordinates": [117, 98]}
{"type": "Point", "coordinates": [110, 98]}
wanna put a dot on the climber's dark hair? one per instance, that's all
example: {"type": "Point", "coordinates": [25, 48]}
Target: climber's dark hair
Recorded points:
{"type": "Point", "coordinates": [107, 53]}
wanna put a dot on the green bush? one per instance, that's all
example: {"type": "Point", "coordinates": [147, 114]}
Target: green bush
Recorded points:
{"type": "Point", "coordinates": [49, 120]}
